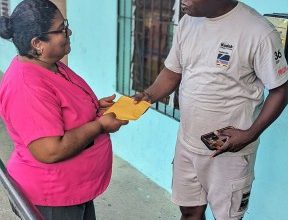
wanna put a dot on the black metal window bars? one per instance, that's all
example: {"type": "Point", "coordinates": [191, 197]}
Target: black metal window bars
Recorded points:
{"type": "Point", "coordinates": [4, 7]}
{"type": "Point", "coordinates": [145, 33]}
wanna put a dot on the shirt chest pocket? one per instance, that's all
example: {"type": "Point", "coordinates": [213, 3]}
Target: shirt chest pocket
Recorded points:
{"type": "Point", "coordinates": [193, 56]}
{"type": "Point", "coordinates": [197, 55]}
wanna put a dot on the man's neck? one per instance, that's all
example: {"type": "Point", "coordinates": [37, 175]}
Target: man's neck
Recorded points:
{"type": "Point", "coordinates": [222, 7]}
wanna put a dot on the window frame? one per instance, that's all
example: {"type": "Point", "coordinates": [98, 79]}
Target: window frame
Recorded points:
{"type": "Point", "coordinates": [125, 50]}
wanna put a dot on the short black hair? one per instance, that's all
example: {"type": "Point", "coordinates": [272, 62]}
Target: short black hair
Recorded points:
{"type": "Point", "coordinates": [28, 20]}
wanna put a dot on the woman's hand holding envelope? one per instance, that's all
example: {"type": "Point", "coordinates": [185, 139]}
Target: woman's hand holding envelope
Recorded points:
{"type": "Point", "coordinates": [127, 108]}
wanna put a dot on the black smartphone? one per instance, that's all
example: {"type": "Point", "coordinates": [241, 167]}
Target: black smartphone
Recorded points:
{"type": "Point", "coordinates": [214, 140]}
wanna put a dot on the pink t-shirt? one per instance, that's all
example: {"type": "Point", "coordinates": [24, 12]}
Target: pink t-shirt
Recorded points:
{"type": "Point", "coordinates": [36, 103]}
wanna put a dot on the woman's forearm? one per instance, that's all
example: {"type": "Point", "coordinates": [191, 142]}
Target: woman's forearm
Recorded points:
{"type": "Point", "coordinates": [56, 149]}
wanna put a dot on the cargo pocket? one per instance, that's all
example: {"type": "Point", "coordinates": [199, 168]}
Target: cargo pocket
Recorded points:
{"type": "Point", "coordinates": [240, 195]}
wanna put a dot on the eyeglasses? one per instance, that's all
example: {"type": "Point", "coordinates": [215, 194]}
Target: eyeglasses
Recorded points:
{"type": "Point", "coordinates": [64, 30]}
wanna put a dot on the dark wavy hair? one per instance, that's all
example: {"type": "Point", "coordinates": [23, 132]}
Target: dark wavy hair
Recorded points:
{"type": "Point", "coordinates": [29, 19]}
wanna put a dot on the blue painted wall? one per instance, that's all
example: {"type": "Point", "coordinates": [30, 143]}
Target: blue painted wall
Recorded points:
{"type": "Point", "coordinates": [7, 49]}
{"type": "Point", "coordinates": [148, 144]}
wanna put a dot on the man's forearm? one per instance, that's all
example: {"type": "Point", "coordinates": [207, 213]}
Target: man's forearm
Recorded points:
{"type": "Point", "coordinates": [273, 106]}
{"type": "Point", "coordinates": [166, 82]}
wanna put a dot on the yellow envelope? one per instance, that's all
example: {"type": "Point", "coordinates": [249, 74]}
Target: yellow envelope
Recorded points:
{"type": "Point", "coordinates": [127, 109]}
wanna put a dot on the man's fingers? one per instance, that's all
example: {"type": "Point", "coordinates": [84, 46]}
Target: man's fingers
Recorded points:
{"type": "Point", "coordinates": [227, 132]}
{"type": "Point", "coordinates": [221, 150]}
{"type": "Point", "coordinates": [143, 96]}
{"type": "Point", "coordinates": [139, 97]}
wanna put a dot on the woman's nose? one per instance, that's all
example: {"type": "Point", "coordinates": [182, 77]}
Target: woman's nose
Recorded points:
{"type": "Point", "coordinates": [69, 32]}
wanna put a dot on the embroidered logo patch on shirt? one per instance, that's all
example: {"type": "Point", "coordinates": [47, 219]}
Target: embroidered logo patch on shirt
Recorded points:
{"type": "Point", "coordinates": [283, 70]}
{"type": "Point", "coordinates": [278, 56]}
{"type": "Point", "coordinates": [224, 55]}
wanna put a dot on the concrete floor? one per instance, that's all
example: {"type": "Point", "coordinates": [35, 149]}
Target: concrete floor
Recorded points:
{"type": "Point", "coordinates": [130, 196]}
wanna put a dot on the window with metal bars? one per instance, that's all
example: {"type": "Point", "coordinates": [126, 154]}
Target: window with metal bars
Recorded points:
{"type": "Point", "coordinates": [145, 33]}
{"type": "Point", "coordinates": [4, 8]}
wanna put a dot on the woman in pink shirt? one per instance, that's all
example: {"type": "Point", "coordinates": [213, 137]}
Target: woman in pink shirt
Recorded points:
{"type": "Point", "coordinates": [62, 156]}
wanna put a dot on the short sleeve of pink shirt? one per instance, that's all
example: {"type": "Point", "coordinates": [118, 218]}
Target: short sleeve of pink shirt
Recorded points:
{"type": "Point", "coordinates": [36, 103]}
{"type": "Point", "coordinates": [34, 111]}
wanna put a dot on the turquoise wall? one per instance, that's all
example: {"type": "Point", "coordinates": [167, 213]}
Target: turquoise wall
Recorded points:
{"type": "Point", "coordinates": [94, 45]}
{"type": "Point", "coordinates": [268, 6]}
{"type": "Point", "coordinates": [148, 144]}
{"type": "Point", "coordinates": [7, 49]}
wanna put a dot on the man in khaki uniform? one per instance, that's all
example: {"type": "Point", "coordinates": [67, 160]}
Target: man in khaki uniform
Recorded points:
{"type": "Point", "coordinates": [224, 54]}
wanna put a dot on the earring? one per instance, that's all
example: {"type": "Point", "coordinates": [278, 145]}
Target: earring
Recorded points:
{"type": "Point", "coordinates": [39, 52]}
{"type": "Point", "coordinates": [34, 53]}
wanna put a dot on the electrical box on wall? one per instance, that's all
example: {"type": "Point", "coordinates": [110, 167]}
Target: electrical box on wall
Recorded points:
{"type": "Point", "coordinates": [280, 21]}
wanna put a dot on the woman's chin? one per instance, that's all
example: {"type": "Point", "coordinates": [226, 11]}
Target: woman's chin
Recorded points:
{"type": "Point", "coordinates": [68, 50]}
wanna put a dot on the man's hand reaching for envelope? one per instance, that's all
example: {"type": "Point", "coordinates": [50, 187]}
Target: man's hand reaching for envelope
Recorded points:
{"type": "Point", "coordinates": [142, 96]}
